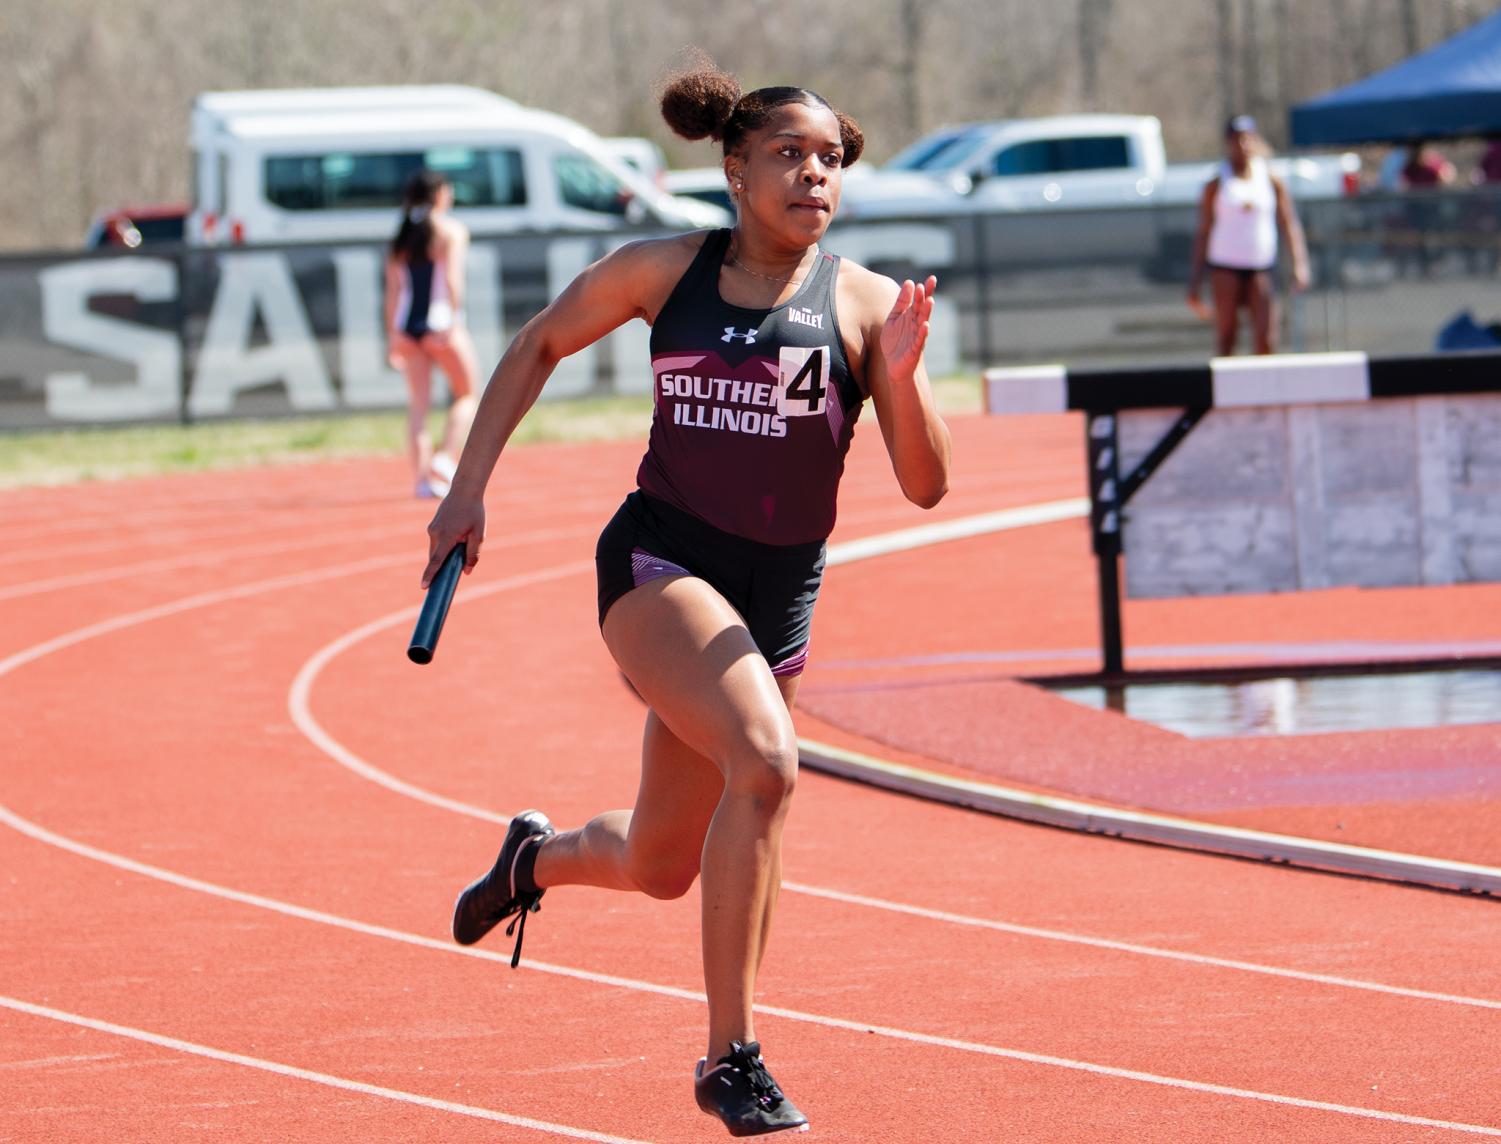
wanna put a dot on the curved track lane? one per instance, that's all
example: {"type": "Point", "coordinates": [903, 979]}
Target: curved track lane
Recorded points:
{"type": "Point", "coordinates": [219, 925]}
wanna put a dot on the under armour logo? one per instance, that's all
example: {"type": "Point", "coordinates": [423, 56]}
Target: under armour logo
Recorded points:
{"type": "Point", "coordinates": [731, 333]}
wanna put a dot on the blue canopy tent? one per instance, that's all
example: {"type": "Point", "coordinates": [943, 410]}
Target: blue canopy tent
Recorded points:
{"type": "Point", "coordinates": [1449, 91]}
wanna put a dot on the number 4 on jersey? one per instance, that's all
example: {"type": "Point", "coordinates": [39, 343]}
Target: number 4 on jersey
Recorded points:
{"type": "Point", "coordinates": [802, 381]}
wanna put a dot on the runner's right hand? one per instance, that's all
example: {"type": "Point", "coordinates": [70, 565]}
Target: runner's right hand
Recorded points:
{"type": "Point", "coordinates": [459, 518]}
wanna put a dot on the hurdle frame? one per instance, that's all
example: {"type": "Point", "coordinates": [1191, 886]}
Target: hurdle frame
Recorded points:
{"type": "Point", "coordinates": [1235, 382]}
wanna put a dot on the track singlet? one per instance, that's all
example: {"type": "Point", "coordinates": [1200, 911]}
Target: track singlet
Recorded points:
{"type": "Point", "coordinates": [754, 409]}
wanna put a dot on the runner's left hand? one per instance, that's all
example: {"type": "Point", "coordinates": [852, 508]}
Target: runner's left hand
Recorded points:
{"type": "Point", "coordinates": [906, 329]}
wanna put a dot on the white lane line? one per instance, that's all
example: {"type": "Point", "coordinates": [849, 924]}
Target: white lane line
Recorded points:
{"type": "Point", "coordinates": [298, 701]}
{"type": "Point", "coordinates": [849, 551]}
{"type": "Point", "coordinates": [1141, 1077]}
{"type": "Point", "coordinates": [220, 555]}
{"type": "Point", "coordinates": [1141, 950]}
{"type": "Point", "coordinates": [205, 528]}
{"type": "Point", "coordinates": [306, 722]}
{"type": "Point", "coordinates": [22, 548]}
{"type": "Point", "coordinates": [209, 555]}
{"type": "Point", "coordinates": [242, 591]}
{"type": "Point", "coordinates": [178, 1045]}
{"type": "Point", "coordinates": [41, 834]}
{"type": "Point", "coordinates": [300, 710]}
{"type": "Point", "coordinates": [174, 519]}
{"type": "Point", "coordinates": [303, 913]}
{"type": "Point", "coordinates": [189, 603]}
{"type": "Point", "coordinates": [302, 717]}
{"type": "Point", "coordinates": [54, 552]}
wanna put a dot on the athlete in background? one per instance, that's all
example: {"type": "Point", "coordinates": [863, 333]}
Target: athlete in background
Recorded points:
{"type": "Point", "coordinates": [1242, 210]}
{"type": "Point", "coordinates": [425, 324]}
{"type": "Point", "coordinates": [764, 348]}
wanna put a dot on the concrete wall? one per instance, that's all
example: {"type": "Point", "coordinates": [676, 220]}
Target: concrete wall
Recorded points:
{"type": "Point", "coordinates": [1384, 492]}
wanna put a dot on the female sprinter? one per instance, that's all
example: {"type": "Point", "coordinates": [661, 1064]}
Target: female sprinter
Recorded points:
{"type": "Point", "coordinates": [425, 324]}
{"type": "Point", "coordinates": [764, 348]}
{"type": "Point", "coordinates": [1240, 213]}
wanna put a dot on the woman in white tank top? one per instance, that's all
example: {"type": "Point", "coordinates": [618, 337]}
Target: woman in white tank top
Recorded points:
{"type": "Point", "coordinates": [1242, 210]}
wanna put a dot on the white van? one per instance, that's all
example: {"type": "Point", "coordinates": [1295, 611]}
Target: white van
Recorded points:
{"type": "Point", "coordinates": [707, 184]}
{"type": "Point", "coordinates": [640, 153]}
{"type": "Point", "coordinates": [329, 165]}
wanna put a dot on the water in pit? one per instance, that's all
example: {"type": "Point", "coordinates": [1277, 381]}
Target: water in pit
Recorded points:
{"type": "Point", "coordinates": [1306, 705]}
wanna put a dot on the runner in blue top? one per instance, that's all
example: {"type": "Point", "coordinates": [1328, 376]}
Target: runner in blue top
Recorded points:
{"type": "Point", "coordinates": [764, 348]}
{"type": "Point", "coordinates": [424, 312]}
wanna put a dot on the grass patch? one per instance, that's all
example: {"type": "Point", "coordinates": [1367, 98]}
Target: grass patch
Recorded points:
{"type": "Point", "coordinates": [61, 456]}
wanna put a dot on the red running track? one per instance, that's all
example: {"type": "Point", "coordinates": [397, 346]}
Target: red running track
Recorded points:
{"type": "Point", "coordinates": [235, 818]}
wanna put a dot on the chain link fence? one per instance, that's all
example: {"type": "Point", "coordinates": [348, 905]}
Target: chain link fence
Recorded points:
{"type": "Point", "coordinates": [177, 334]}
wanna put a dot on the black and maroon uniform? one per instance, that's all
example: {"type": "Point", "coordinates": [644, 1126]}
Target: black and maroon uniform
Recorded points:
{"type": "Point", "coordinates": [754, 413]}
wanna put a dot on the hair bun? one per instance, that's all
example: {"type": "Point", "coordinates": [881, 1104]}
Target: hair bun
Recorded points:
{"type": "Point", "coordinates": [698, 104]}
{"type": "Point", "coordinates": [851, 138]}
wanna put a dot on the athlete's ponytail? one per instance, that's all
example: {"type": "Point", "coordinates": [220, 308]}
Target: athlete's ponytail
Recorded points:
{"type": "Point", "coordinates": [708, 103]}
{"type": "Point", "coordinates": [414, 237]}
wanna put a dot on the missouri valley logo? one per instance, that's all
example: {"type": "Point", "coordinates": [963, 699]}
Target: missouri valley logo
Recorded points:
{"type": "Point", "coordinates": [731, 334]}
{"type": "Point", "coordinates": [805, 317]}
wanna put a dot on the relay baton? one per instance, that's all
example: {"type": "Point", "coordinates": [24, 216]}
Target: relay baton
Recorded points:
{"type": "Point", "coordinates": [435, 607]}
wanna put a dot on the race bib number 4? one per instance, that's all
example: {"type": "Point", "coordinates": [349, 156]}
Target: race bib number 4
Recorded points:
{"type": "Point", "coordinates": [802, 381]}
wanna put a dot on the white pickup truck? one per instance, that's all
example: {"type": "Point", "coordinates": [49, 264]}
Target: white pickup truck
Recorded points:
{"type": "Point", "coordinates": [1061, 162]}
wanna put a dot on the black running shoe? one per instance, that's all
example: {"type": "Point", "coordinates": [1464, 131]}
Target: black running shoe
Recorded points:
{"type": "Point", "coordinates": [741, 1093]}
{"type": "Point", "coordinates": [492, 899]}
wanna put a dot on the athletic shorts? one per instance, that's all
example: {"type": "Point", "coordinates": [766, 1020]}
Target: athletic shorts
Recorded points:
{"type": "Point", "coordinates": [1244, 274]}
{"type": "Point", "coordinates": [772, 586]}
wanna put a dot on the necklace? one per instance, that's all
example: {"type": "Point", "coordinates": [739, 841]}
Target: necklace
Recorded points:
{"type": "Point", "coordinates": [735, 261]}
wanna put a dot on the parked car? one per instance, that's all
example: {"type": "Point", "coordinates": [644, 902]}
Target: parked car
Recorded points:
{"type": "Point", "coordinates": [875, 192]}
{"type": "Point", "coordinates": [328, 165]}
{"type": "Point", "coordinates": [867, 193]}
{"type": "Point", "coordinates": [140, 224]}
{"type": "Point", "coordinates": [642, 154]}
{"type": "Point", "coordinates": [1079, 161]}
{"type": "Point", "coordinates": [707, 184]}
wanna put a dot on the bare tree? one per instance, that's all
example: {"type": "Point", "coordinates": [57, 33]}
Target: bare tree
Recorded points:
{"type": "Point", "coordinates": [1412, 42]}
{"type": "Point", "coordinates": [912, 14]}
{"type": "Point", "coordinates": [1094, 16]}
{"type": "Point", "coordinates": [1459, 15]}
{"type": "Point", "coordinates": [1282, 32]}
{"type": "Point", "coordinates": [1356, 40]}
{"type": "Point", "coordinates": [1225, 38]}
{"type": "Point", "coordinates": [96, 96]}
{"type": "Point", "coordinates": [1250, 47]}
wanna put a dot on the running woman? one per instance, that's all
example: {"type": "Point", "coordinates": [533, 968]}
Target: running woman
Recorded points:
{"type": "Point", "coordinates": [425, 324]}
{"type": "Point", "coordinates": [764, 348]}
{"type": "Point", "coordinates": [1242, 210]}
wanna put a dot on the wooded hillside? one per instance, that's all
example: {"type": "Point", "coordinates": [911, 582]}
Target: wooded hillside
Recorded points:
{"type": "Point", "coordinates": [96, 95]}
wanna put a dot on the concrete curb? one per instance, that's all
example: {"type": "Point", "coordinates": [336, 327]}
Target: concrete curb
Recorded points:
{"type": "Point", "coordinates": [1183, 833]}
